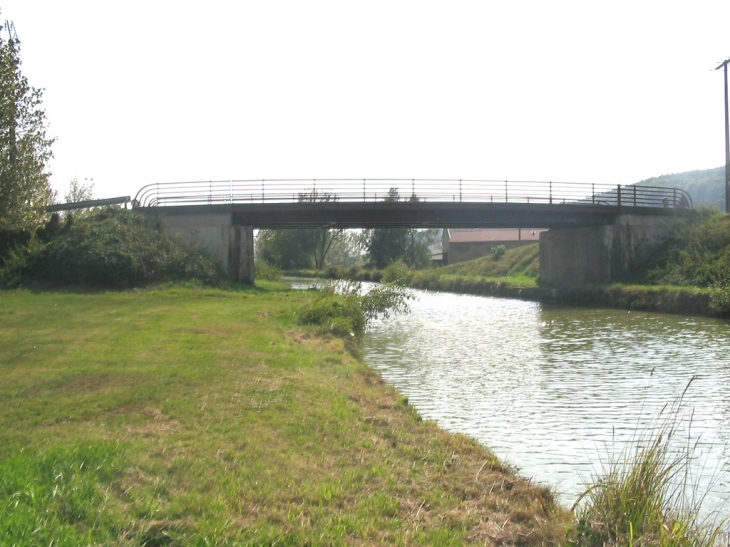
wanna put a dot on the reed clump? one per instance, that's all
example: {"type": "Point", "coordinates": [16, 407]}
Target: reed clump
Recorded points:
{"type": "Point", "coordinates": [645, 496]}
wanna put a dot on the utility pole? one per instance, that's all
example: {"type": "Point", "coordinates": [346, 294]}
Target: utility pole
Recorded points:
{"type": "Point", "coordinates": [727, 143]}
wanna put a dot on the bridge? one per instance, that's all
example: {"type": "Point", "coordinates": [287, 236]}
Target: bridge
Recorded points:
{"type": "Point", "coordinates": [598, 232]}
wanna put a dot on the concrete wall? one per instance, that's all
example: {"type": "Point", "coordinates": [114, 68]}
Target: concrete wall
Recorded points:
{"type": "Point", "coordinates": [230, 245]}
{"type": "Point", "coordinates": [600, 254]}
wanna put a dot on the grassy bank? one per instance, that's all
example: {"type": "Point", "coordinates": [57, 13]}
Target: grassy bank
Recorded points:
{"type": "Point", "coordinates": [515, 268]}
{"type": "Point", "coordinates": [689, 274]}
{"type": "Point", "coordinates": [186, 416]}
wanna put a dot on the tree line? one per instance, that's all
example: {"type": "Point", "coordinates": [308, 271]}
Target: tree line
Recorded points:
{"type": "Point", "coordinates": [320, 247]}
{"type": "Point", "coordinates": [25, 148]}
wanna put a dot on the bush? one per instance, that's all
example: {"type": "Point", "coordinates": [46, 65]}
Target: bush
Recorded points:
{"type": "Point", "coordinates": [266, 270]}
{"type": "Point", "coordinates": [337, 314]}
{"type": "Point", "coordinates": [343, 308]}
{"type": "Point", "coordinates": [696, 253]}
{"type": "Point", "coordinates": [498, 251]}
{"type": "Point", "coordinates": [397, 272]}
{"type": "Point", "coordinates": [112, 248]}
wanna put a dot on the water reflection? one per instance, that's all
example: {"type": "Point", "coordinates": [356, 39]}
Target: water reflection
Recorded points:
{"type": "Point", "coordinates": [553, 389]}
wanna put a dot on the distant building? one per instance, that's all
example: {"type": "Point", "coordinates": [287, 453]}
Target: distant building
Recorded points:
{"type": "Point", "coordinates": [459, 245]}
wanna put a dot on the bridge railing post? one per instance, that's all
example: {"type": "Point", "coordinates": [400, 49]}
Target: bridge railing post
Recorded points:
{"type": "Point", "coordinates": [593, 193]}
{"type": "Point", "coordinates": [459, 190]}
{"type": "Point", "coordinates": [618, 195]}
{"type": "Point", "coordinates": [550, 193]}
{"type": "Point", "coordinates": [634, 195]}
{"type": "Point", "coordinates": [506, 196]}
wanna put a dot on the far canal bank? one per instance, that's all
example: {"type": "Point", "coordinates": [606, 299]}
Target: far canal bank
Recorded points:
{"type": "Point", "coordinates": [693, 301]}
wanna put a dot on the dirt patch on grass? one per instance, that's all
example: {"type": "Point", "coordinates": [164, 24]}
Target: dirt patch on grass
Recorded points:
{"type": "Point", "coordinates": [157, 424]}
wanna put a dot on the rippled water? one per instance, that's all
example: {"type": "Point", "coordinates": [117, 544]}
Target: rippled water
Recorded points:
{"type": "Point", "coordinates": [556, 390]}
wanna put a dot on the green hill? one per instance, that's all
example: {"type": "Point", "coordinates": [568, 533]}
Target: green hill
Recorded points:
{"type": "Point", "coordinates": [705, 186]}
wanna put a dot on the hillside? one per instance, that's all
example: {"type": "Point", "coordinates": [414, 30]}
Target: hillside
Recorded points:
{"type": "Point", "coordinates": [705, 186]}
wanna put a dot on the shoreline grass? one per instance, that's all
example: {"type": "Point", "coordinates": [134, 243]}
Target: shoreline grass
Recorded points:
{"type": "Point", "coordinates": [184, 415]}
{"type": "Point", "coordinates": [647, 494]}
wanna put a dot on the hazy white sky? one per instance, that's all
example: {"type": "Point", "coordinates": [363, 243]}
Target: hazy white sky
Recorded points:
{"type": "Point", "coordinates": [588, 91]}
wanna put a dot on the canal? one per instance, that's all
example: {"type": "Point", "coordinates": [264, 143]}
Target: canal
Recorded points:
{"type": "Point", "coordinates": [557, 390]}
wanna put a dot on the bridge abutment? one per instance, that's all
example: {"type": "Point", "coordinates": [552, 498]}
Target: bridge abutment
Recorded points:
{"type": "Point", "coordinates": [600, 254]}
{"type": "Point", "coordinates": [229, 244]}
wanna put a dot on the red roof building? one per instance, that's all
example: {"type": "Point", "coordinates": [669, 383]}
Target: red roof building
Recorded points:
{"type": "Point", "coordinates": [459, 245]}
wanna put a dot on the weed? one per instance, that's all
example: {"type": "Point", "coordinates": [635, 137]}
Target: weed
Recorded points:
{"type": "Point", "coordinates": [644, 496]}
{"type": "Point", "coordinates": [266, 270]}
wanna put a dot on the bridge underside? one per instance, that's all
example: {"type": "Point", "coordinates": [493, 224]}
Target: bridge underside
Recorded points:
{"type": "Point", "coordinates": [413, 215]}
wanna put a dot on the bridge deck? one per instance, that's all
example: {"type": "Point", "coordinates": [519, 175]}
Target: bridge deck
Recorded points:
{"type": "Point", "coordinates": [363, 203]}
{"type": "Point", "coordinates": [419, 214]}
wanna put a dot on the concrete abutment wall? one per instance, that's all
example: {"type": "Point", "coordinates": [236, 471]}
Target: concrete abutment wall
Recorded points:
{"type": "Point", "coordinates": [600, 254]}
{"type": "Point", "coordinates": [229, 244]}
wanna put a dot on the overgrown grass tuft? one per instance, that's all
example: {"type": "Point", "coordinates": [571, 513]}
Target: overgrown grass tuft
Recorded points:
{"type": "Point", "coordinates": [644, 496]}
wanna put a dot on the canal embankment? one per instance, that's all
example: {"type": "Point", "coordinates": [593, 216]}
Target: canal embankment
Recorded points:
{"type": "Point", "coordinates": [213, 416]}
{"type": "Point", "coordinates": [700, 301]}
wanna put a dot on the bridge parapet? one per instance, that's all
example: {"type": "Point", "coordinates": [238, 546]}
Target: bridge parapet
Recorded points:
{"type": "Point", "coordinates": [432, 190]}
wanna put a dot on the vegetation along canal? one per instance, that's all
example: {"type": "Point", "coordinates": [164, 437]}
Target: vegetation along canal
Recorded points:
{"type": "Point", "coordinates": [556, 390]}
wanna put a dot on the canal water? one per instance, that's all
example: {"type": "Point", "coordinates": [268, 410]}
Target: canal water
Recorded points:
{"type": "Point", "coordinates": [557, 391]}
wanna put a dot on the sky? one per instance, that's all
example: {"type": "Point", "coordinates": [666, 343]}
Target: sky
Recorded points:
{"type": "Point", "coordinates": [139, 92]}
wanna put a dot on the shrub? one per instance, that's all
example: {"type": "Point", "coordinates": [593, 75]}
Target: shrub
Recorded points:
{"type": "Point", "coordinates": [343, 308]}
{"type": "Point", "coordinates": [337, 314]}
{"type": "Point", "coordinates": [498, 251]}
{"type": "Point", "coordinates": [266, 270]}
{"type": "Point", "coordinates": [397, 272]}
{"type": "Point", "coordinates": [112, 248]}
{"type": "Point", "coordinates": [696, 253]}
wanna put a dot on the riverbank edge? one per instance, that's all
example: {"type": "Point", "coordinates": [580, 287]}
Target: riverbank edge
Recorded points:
{"type": "Point", "coordinates": [650, 298]}
{"type": "Point", "coordinates": [459, 467]}
{"type": "Point", "coordinates": [662, 299]}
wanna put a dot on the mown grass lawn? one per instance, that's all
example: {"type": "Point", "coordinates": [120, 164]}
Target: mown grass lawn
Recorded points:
{"type": "Point", "coordinates": [193, 416]}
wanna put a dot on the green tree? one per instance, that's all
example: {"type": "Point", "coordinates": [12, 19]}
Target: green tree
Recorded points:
{"type": "Point", "coordinates": [283, 248]}
{"type": "Point", "coordinates": [299, 248]}
{"type": "Point", "coordinates": [388, 245]}
{"type": "Point", "coordinates": [79, 191]}
{"type": "Point", "coordinates": [347, 250]}
{"type": "Point", "coordinates": [302, 248]}
{"type": "Point", "coordinates": [24, 148]}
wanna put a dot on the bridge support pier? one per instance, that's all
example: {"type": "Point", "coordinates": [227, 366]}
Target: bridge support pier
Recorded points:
{"type": "Point", "coordinates": [600, 254]}
{"type": "Point", "coordinates": [229, 244]}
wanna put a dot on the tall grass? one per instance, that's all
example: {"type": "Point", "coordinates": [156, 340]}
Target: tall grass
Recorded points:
{"type": "Point", "coordinates": [59, 496]}
{"type": "Point", "coordinates": [646, 495]}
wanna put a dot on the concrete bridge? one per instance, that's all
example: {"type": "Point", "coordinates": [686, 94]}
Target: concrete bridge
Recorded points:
{"type": "Point", "coordinates": [597, 233]}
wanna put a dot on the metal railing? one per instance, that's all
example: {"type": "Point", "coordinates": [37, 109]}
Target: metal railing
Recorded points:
{"type": "Point", "coordinates": [429, 190]}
